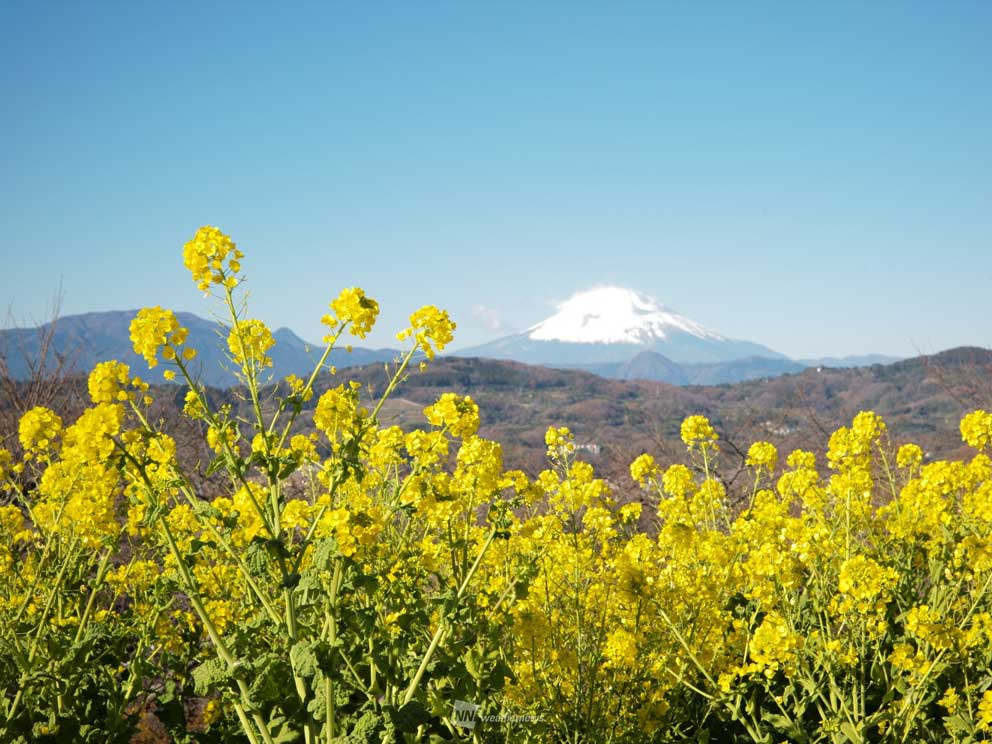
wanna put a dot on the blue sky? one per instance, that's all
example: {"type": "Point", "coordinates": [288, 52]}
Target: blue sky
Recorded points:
{"type": "Point", "coordinates": [816, 177]}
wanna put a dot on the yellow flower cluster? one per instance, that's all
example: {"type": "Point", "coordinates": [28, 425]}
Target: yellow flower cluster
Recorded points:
{"type": "Point", "coordinates": [298, 387]}
{"type": "Point", "coordinates": [79, 491]}
{"type": "Point", "coordinates": [644, 470]}
{"type": "Point", "coordinates": [460, 415]}
{"type": "Point", "coordinates": [909, 456]}
{"type": "Point", "coordinates": [850, 448]}
{"type": "Point", "coordinates": [697, 431]}
{"type": "Point", "coordinates": [222, 437]}
{"type": "Point", "coordinates": [865, 587]}
{"type": "Point", "coordinates": [763, 456]}
{"type": "Point", "coordinates": [205, 255]}
{"type": "Point", "coordinates": [110, 382]}
{"type": "Point", "coordinates": [773, 647]}
{"type": "Point", "coordinates": [154, 328]}
{"type": "Point", "coordinates": [193, 405]}
{"type": "Point", "coordinates": [336, 411]}
{"type": "Point", "coordinates": [248, 343]}
{"type": "Point", "coordinates": [39, 430]}
{"type": "Point", "coordinates": [90, 438]}
{"type": "Point", "coordinates": [352, 308]}
{"type": "Point", "coordinates": [6, 464]}
{"type": "Point", "coordinates": [560, 441]}
{"type": "Point", "coordinates": [426, 448]}
{"type": "Point", "coordinates": [431, 329]}
{"type": "Point", "coordinates": [985, 711]}
{"type": "Point", "coordinates": [976, 429]}
{"type": "Point", "coordinates": [928, 625]}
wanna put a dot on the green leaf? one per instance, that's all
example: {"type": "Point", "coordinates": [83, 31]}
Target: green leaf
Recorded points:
{"type": "Point", "coordinates": [196, 545]}
{"type": "Point", "coordinates": [472, 663]}
{"type": "Point", "coordinates": [304, 660]}
{"type": "Point", "coordinates": [210, 675]}
{"type": "Point", "coordinates": [785, 726]}
{"type": "Point", "coordinates": [269, 677]}
{"type": "Point", "coordinates": [410, 717]}
{"type": "Point", "coordinates": [366, 729]}
{"type": "Point", "coordinates": [256, 557]}
{"type": "Point", "coordinates": [216, 464]}
{"type": "Point", "coordinates": [283, 732]}
{"type": "Point", "coordinates": [277, 548]}
{"type": "Point", "coordinates": [317, 707]}
{"type": "Point", "coordinates": [209, 510]}
{"type": "Point", "coordinates": [324, 553]}
{"type": "Point", "coordinates": [850, 732]}
{"type": "Point", "coordinates": [289, 466]}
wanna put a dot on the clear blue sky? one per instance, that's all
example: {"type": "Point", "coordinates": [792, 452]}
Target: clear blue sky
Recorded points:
{"type": "Point", "coordinates": [816, 177]}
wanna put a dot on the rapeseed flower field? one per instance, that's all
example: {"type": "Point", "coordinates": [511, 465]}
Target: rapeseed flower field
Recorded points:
{"type": "Point", "coordinates": [367, 584]}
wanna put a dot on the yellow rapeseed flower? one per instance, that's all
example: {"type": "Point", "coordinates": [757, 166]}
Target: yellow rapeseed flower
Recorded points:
{"type": "Point", "coordinates": [459, 414]}
{"type": "Point", "coordinates": [6, 461]}
{"type": "Point", "coordinates": [352, 307]}
{"type": "Point", "coordinates": [336, 411]}
{"type": "Point", "coordinates": [644, 469]}
{"type": "Point", "coordinates": [205, 254]}
{"type": "Point", "coordinates": [985, 711]}
{"type": "Point", "coordinates": [154, 328]}
{"type": "Point", "coordinates": [762, 455]}
{"type": "Point", "coordinates": [559, 440]}
{"type": "Point", "coordinates": [431, 328]}
{"type": "Point", "coordinates": [976, 429]}
{"type": "Point", "coordinates": [107, 381]}
{"type": "Point", "coordinates": [38, 429]}
{"type": "Point", "coordinates": [696, 430]}
{"type": "Point", "coordinates": [249, 342]}
{"type": "Point", "coordinates": [909, 456]}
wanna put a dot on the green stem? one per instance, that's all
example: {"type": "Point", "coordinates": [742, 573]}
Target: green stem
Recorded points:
{"type": "Point", "coordinates": [393, 382]}
{"type": "Point", "coordinates": [97, 581]}
{"type": "Point", "coordinates": [228, 452]}
{"type": "Point", "coordinates": [37, 638]}
{"type": "Point", "coordinates": [222, 651]}
{"type": "Point", "coordinates": [920, 685]}
{"type": "Point", "coordinates": [442, 627]}
{"type": "Point", "coordinates": [306, 389]}
{"type": "Point", "coordinates": [249, 366]}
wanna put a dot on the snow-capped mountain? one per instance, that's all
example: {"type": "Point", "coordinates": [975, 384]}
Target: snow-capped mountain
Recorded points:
{"type": "Point", "coordinates": [614, 324]}
{"type": "Point", "coordinates": [615, 315]}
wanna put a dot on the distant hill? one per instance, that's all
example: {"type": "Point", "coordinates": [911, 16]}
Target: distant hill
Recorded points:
{"type": "Point", "coordinates": [921, 399]}
{"type": "Point", "coordinates": [649, 365]}
{"type": "Point", "coordinates": [84, 340]}
{"type": "Point", "coordinates": [857, 360]}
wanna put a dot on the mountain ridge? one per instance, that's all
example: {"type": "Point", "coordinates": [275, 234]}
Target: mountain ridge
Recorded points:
{"type": "Point", "coordinates": [85, 339]}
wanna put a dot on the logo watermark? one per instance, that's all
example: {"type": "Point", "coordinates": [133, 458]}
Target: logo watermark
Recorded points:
{"type": "Point", "coordinates": [466, 715]}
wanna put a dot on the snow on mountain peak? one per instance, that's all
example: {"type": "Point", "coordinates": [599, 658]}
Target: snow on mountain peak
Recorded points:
{"type": "Point", "coordinates": [614, 315]}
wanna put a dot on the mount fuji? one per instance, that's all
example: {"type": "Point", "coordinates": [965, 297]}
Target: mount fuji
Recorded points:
{"type": "Point", "coordinates": [610, 326]}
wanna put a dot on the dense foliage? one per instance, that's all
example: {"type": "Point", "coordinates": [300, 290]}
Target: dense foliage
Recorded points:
{"type": "Point", "coordinates": [355, 586]}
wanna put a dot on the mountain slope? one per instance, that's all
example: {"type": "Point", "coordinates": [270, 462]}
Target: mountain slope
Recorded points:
{"type": "Point", "coordinates": [922, 400]}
